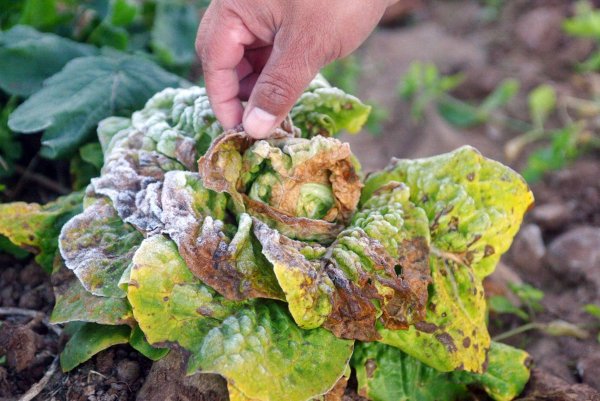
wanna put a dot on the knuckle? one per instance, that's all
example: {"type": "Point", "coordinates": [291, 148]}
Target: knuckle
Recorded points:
{"type": "Point", "coordinates": [276, 90]}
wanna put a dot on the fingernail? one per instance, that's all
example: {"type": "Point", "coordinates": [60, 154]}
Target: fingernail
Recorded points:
{"type": "Point", "coordinates": [259, 123]}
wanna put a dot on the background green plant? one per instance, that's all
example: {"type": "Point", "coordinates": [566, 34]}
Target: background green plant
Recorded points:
{"type": "Point", "coordinates": [566, 127]}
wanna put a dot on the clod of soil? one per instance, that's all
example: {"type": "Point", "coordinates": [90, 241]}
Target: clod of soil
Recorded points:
{"type": "Point", "coordinates": [545, 387]}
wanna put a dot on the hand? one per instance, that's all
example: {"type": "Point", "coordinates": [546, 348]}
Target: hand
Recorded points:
{"type": "Point", "coordinates": [268, 51]}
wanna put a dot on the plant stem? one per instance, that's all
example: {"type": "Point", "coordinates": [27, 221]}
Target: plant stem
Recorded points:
{"type": "Point", "coordinates": [516, 330]}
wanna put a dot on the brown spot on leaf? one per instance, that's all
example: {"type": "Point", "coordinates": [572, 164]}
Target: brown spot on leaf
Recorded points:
{"type": "Point", "coordinates": [447, 341]}
{"type": "Point", "coordinates": [426, 327]}
{"type": "Point", "coordinates": [370, 367]}
{"type": "Point", "coordinates": [466, 342]}
{"type": "Point", "coordinates": [488, 250]}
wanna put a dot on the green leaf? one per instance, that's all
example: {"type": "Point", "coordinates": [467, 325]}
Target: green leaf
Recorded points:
{"type": "Point", "coordinates": [41, 14]}
{"type": "Point", "coordinates": [10, 148]}
{"type": "Point", "coordinates": [292, 363]}
{"type": "Point", "coordinates": [423, 84]}
{"type": "Point", "coordinates": [92, 153]}
{"type": "Point", "coordinates": [90, 339]}
{"type": "Point", "coordinates": [139, 342]}
{"type": "Point", "coordinates": [122, 12]}
{"type": "Point", "coordinates": [561, 151]}
{"type": "Point", "coordinates": [98, 246]}
{"type": "Point", "coordinates": [36, 227]}
{"type": "Point", "coordinates": [500, 304]}
{"type": "Point", "coordinates": [12, 249]}
{"type": "Point", "coordinates": [506, 375]}
{"type": "Point", "coordinates": [387, 374]}
{"type": "Point", "coordinates": [460, 114]}
{"type": "Point", "coordinates": [528, 294]}
{"type": "Point", "coordinates": [174, 32]}
{"type": "Point", "coordinates": [231, 338]}
{"type": "Point", "coordinates": [28, 57]}
{"type": "Point", "coordinates": [92, 88]}
{"type": "Point", "coordinates": [593, 310]}
{"type": "Point", "coordinates": [585, 23]}
{"type": "Point", "coordinates": [501, 95]}
{"type": "Point", "coordinates": [323, 110]}
{"type": "Point", "coordinates": [106, 34]}
{"type": "Point", "coordinates": [474, 207]}
{"type": "Point", "coordinates": [75, 303]}
{"type": "Point", "coordinates": [542, 101]}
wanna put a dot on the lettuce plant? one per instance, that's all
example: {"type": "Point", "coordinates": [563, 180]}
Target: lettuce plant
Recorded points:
{"type": "Point", "coordinates": [275, 264]}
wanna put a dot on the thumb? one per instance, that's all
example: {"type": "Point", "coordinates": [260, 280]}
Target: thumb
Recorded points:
{"type": "Point", "coordinates": [283, 79]}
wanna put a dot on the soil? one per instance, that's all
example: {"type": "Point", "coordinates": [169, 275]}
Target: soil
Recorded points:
{"type": "Point", "coordinates": [557, 249]}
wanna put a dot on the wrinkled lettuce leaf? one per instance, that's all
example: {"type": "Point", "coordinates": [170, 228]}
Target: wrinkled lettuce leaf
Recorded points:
{"type": "Point", "coordinates": [98, 246]}
{"type": "Point", "coordinates": [323, 110]}
{"type": "Point", "coordinates": [74, 303]}
{"type": "Point", "coordinates": [474, 207]}
{"type": "Point", "coordinates": [255, 345]}
{"type": "Point", "coordinates": [375, 271]}
{"type": "Point", "coordinates": [385, 373]}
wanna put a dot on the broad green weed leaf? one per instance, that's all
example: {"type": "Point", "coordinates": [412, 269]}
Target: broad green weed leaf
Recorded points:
{"type": "Point", "coordinates": [90, 339]}
{"type": "Point", "coordinates": [36, 227]}
{"type": "Point", "coordinates": [254, 344]}
{"type": "Point", "coordinates": [474, 207]}
{"type": "Point", "coordinates": [75, 303]}
{"type": "Point", "coordinates": [28, 57]}
{"type": "Point", "coordinates": [123, 12]}
{"type": "Point", "coordinates": [41, 14]}
{"type": "Point", "coordinates": [98, 246]}
{"type": "Point", "coordinates": [12, 249]}
{"type": "Point", "coordinates": [174, 32]}
{"type": "Point", "coordinates": [92, 88]}
{"type": "Point", "coordinates": [387, 374]}
{"type": "Point", "coordinates": [323, 110]}
{"type": "Point", "coordinates": [106, 34]}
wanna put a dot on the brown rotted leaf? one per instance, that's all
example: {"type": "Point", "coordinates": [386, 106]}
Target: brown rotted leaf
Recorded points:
{"type": "Point", "coordinates": [304, 188]}
{"type": "Point", "coordinates": [381, 259]}
{"type": "Point", "coordinates": [232, 264]}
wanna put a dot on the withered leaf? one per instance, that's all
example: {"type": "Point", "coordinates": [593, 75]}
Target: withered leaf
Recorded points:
{"type": "Point", "coordinates": [98, 246]}
{"type": "Point", "coordinates": [194, 218]}
{"type": "Point", "coordinates": [304, 188]}
{"type": "Point", "coordinates": [376, 270]}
